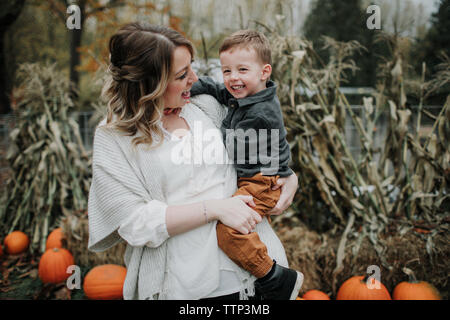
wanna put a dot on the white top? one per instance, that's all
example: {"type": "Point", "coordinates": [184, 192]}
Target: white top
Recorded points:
{"type": "Point", "coordinates": [127, 180]}
{"type": "Point", "coordinates": [197, 268]}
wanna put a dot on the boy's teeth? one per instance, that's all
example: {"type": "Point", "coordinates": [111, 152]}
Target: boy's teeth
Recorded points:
{"type": "Point", "coordinates": [237, 87]}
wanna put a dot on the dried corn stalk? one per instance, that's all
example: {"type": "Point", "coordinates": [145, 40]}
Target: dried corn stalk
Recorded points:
{"type": "Point", "coordinates": [50, 167]}
{"type": "Point", "coordinates": [403, 178]}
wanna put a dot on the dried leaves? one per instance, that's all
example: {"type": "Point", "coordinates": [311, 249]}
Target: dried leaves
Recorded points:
{"type": "Point", "coordinates": [14, 269]}
{"type": "Point", "coordinates": [19, 279]}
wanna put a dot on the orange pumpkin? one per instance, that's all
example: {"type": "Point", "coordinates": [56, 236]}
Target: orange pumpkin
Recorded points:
{"type": "Point", "coordinates": [53, 265]}
{"type": "Point", "coordinates": [16, 242]}
{"type": "Point", "coordinates": [298, 298]}
{"type": "Point", "coordinates": [315, 295]}
{"type": "Point", "coordinates": [355, 288]}
{"type": "Point", "coordinates": [54, 239]}
{"type": "Point", "coordinates": [105, 282]}
{"type": "Point", "coordinates": [414, 289]}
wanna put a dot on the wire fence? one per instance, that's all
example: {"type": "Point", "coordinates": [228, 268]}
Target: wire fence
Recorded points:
{"type": "Point", "coordinates": [7, 124]}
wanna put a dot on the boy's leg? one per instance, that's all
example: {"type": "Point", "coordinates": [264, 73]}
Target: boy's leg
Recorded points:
{"type": "Point", "coordinates": [247, 250]}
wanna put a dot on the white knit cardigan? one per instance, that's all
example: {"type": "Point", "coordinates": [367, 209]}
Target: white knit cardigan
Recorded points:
{"type": "Point", "coordinates": [118, 187]}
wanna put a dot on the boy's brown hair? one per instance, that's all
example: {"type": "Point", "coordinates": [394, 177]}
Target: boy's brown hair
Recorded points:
{"type": "Point", "coordinates": [252, 39]}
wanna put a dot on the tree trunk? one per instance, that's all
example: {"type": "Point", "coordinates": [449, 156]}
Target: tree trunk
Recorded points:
{"type": "Point", "coordinates": [5, 86]}
{"type": "Point", "coordinates": [75, 43]}
{"type": "Point", "coordinates": [75, 36]}
{"type": "Point", "coordinates": [9, 12]}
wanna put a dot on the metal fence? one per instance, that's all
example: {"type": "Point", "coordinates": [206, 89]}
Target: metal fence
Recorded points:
{"type": "Point", "coordinates": [86, 130]}
{"type": "Point", "coordinates": [7, 124]}
{"type": "Point", "coordinates": [353, 138]}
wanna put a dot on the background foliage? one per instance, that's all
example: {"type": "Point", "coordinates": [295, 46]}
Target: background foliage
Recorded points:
{"type": "Point", "coordinates": [39, 33]}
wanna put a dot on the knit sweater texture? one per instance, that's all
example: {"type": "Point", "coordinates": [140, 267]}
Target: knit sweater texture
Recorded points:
{"type": "Point", "coordinates": [124, 178]}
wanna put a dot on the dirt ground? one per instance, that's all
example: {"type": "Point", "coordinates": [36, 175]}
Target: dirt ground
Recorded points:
{"type": "Point", "coordinates": [19, 280]}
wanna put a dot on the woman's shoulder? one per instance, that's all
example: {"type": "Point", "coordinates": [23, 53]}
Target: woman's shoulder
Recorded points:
{"type": "Point", "coordinates": [105, 128]}
{"type": "Point", "coordinates": [104, 132]}
{"type": "Point", "coordinates": [108, 131]}
{"type": "Point", "coordinates": [209, 106]}
{"type": "Point", "coordinates": [108, 137]}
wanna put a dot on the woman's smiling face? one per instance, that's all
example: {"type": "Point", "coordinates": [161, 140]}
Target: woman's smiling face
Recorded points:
{"type": "Point", "coordinates": [182, 77]}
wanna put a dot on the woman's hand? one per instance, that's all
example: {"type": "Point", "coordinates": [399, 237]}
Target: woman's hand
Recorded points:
{"type": "Point", "coordinates": [234, 212]}
{"type": "Point", "coordinates": [288, 187]}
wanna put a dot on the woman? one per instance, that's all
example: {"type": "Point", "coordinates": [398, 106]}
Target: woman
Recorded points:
{"type": "Point", "coordinates": [166, 209]}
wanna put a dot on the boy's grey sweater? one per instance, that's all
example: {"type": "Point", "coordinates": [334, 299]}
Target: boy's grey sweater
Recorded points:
{"type": "Point", "coordinates": [253, 130]}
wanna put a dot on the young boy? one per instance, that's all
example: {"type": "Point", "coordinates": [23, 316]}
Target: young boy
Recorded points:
{"type": "Point", "coordinates": [255, 138]}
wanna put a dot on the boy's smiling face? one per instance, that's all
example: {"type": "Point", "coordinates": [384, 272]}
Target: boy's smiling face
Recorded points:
{"type": "Point", "coordinates": [243, 72]}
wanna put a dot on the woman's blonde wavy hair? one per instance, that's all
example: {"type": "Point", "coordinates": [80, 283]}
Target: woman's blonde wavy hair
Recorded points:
{"type": "Point", "coordinates": [139, 72]}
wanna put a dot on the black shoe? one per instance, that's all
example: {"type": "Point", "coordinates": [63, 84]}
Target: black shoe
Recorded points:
{"type": "Point", "coordinates": [280, 284]}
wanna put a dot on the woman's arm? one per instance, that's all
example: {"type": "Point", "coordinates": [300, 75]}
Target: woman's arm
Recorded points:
{"type": "Point", "coordinates": [233, 212]}
{"type": "Point", "coordinates": [154, 222]}
{"type": "Point", "coordinates": [288, 187]}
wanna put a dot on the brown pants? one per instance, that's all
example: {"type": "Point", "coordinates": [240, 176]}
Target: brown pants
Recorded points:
{"type": "Point", "coordinates": [247, 250]}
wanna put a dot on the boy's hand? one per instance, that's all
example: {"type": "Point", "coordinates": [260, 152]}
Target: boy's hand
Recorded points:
{"type": "Point", "coordinates": [288, 187]}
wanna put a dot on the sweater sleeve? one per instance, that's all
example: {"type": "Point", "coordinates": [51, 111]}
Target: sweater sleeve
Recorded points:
{"type": "Point", "coordinates": [117, 193]}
